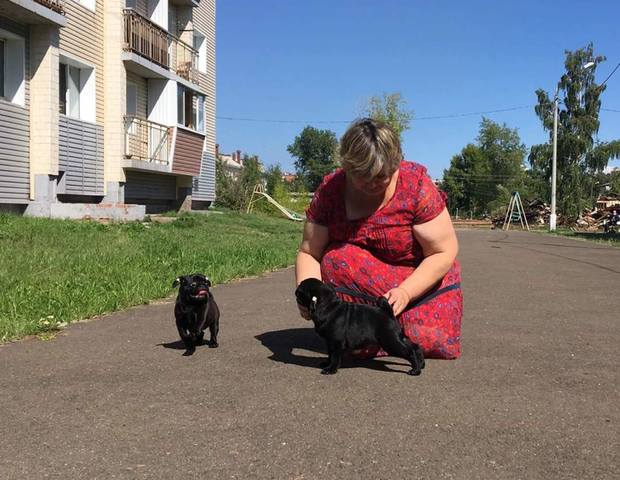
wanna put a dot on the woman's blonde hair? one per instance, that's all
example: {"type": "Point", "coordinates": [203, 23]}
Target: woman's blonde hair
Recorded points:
{"type": "Point", "coordinates": [370, 148]}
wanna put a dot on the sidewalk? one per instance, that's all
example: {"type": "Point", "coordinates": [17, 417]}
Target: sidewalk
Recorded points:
{"type": "Point", "coordinates": [535, 395]}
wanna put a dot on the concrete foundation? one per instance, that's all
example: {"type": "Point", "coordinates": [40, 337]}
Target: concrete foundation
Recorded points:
{"type": "Point", "coordinates": [46, 204]}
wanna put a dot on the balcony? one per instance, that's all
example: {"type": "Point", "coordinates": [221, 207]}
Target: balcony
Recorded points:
{"type": "Point", "coordinates": [55, 5]}
{"type": "Point", "coordinates": [186, 62]}
{"type": "Point", "coordinates": [153, 147]}
{"type": "Point", "coordinates": [35, 12]}
{"type": "Point", "coordinates": [147, 144]}
{"type": "Point", "coordinates": [151, 42]}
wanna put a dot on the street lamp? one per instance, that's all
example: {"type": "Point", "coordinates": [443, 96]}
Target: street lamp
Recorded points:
{"type": "Point", "coordinates": [553, 217]}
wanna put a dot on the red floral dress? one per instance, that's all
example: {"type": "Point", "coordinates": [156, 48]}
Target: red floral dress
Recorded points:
{"type": "Point", "coordinates": [375, 254]}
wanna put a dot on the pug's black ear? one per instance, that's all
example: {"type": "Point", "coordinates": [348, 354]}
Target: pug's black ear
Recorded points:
{"type": "Point", "coordinates": [176, 282]}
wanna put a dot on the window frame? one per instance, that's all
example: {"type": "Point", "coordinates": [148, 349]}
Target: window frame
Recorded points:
{"type": "Point", "coordinates": [79, 95]}
{"type": "Point", "coordinates": [2, 63]}
{"type": "Point", "coordinates": [201, 48]}
{"type": "Point", "coordinates": [14, 68]}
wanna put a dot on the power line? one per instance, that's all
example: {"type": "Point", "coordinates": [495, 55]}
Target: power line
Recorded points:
{"type": "Point", "coordinates": [610, 110]}
{"type": "Point", "coordinates": [609, 76]}
{"type": "Point", "coordinates": [425, 117]}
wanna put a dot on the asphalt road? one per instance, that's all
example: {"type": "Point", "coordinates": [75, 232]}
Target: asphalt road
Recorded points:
{"type": "Point", "coordinates": [535, 395]}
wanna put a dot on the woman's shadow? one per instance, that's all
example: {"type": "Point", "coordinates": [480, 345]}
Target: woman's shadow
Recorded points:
{"type": "Point", "coordinates": [283, 342]}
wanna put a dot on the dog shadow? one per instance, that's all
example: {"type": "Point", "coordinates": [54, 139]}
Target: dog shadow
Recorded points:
{"type": "Point", "coordinates": [178, 345]}
{"type": "Point", "coordinates": [283, 342]}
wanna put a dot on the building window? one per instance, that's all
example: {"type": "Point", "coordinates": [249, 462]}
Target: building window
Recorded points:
{"type": "Point", "coordinates": [200, 45]}
{"type": "Point", "coordinates": [180, 105]}
{"type": "Point", "coordinates": [185, 107]}
{"type": "Point", "coordinates": [1, 68]}
{"type": "Point", "coordinates": [132, 99]}
{"type": "Point", "coordinates": [200, 110]}
{"type": "Point", "coordinates": [190, 109]}
{"type": "Point", "coordinates": [12, 68]}
{"type": "Point", "coordinates": [76, 90]}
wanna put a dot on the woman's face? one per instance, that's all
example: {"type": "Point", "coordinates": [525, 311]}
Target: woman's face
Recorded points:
{"type": "Point", "coordinates": [371, 186]}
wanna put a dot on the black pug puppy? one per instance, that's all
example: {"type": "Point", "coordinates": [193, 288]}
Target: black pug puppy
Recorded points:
{"type": "Point", "coordinates": [347, 326]}
{"type": "Point", "coordinates": [195, 310]}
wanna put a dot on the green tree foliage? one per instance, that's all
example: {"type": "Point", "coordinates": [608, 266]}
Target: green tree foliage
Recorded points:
{"type": "Point", "coordinates": [316, 153]}
{"type": "Point", "coordinates": [273, 179]}
{"type": "Point", "coordinates": [227, 189]}
{"type": "Point", "coordinates": [482, 177]}
{"type": "Point", "coordinates": [390, 109]}
{"type": "Point", "coordinates": [580, 155]}
{"type": "Point", "coordinates": [234, 192]}
{"type": "Point", "coordinates": [614, 182]}
{"type": "Point", "coordinates": [250, 176]}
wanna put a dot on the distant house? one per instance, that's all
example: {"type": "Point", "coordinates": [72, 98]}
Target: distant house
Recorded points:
{"type": "Point", "coordinates": [288, 177]}
{"type": "Point", "coordinates": [233, 162]}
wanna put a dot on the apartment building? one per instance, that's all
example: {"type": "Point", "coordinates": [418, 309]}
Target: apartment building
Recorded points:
{"type": "Point", "coordinates": [107, 107]}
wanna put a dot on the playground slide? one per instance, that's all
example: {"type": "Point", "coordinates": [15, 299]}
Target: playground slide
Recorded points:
{"type": "Point", "coordinates": [287, 213]}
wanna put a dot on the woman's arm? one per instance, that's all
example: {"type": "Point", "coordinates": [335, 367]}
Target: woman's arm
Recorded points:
{"type": "Point", "coordinates": [313, 244]}
{"type": "Point", "coordinates": [440, 246]}
{"type": "Point", "coordinates": [308, 264]}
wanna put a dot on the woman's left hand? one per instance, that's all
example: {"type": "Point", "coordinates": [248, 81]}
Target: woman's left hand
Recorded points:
{"type": "Point", "coordinates": [398, 298]}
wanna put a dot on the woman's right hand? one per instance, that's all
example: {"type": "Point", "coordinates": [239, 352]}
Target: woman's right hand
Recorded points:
{"type": "Point", "coordinates": [304, 312]}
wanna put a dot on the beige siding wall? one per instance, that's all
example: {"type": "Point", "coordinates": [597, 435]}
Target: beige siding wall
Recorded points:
{"type": "Point", "coordinates": [142, 93]}
{"type": "Point", "coordinates": [44, 116]}
{"type": "Point", "coordinates": [82, 38]}
{"type": "Point", "coordinates": [204, 22]}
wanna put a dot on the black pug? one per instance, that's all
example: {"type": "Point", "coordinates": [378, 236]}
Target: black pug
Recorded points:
{"type": "Point", "coordinates": [346, 326]}
{"type": "Point", "coordinates": [195, 310]}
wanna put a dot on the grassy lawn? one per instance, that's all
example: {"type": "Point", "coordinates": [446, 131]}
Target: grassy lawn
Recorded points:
{"type": "Point", "coordinates": [611, 239]}
{"type": "Point", "coordinates": [55, 272]}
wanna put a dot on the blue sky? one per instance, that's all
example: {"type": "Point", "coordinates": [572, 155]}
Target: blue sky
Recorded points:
{"type": "Point", "coordinates": [320, 60]}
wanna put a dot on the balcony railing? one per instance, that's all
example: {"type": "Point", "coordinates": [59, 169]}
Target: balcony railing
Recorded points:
{"type": "Point", "coordinates": [147, 141]}
{"type": "Point", "coordinates": [56, 5]}
{"type": "Point", "coordinates": [146, 38]}
{"type": "Point", "coordinates": [149, 40]}
{"type": "Point", "coordinates": [186, 61]}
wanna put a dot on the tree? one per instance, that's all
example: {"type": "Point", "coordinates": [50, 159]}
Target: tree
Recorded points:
{"type": "Point", "coordinates": [579, 155]}
{"type": "Point", "coordinates": [227, 189]}
{"type": "Point", "coordinates": [273, 178]}
{"type": "Point", "coordinates": [484, 174]}
{"type": "Point", "coordinates": [251, 175]}
{"type": "Point", "coordinates": [390, 109]}
{"type": "Point", "coordinates": [614, 182]}
{"type": "Point", "coordinates": [234, 193]}
{"type": "Point", "coordinates": [316, 153]}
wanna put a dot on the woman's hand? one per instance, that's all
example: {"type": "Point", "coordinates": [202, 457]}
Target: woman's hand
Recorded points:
{"type": "Point", "coordinates": [304, 312]}
{"type": "Point", "coordinates": [398, 298]}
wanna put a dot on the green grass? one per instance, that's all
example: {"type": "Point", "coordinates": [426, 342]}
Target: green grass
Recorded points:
{"type": "Point", "coordinates": [55, 272]}
{"type": "Point", "coordinates": [611, 239]}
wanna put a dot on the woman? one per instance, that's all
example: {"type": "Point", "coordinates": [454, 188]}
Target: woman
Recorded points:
{"type": "Point", "coordinates": [379, 227]}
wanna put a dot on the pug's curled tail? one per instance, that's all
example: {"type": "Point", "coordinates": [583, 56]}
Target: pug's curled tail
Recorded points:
{"type": "Point", "coordinates": [385, 306]}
